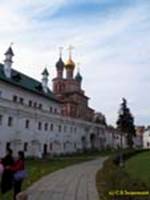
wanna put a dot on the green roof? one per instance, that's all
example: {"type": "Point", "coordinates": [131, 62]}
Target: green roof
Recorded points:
{"type": "Point", "coordinates": [20, 80]}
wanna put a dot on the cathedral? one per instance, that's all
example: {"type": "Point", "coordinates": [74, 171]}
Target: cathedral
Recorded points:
{"type": "Point", "coordinates": [69, 91]}
{"type": "Point", "coordinates": [44, 121]}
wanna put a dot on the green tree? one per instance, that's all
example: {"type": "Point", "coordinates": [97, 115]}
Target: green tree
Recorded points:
{"type": "Point", "coordinates": [125, 123]}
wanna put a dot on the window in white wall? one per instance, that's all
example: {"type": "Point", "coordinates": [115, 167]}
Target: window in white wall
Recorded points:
{"type": "Point", "coordinates": [21, 100]}
{"type": "Point", "coordinates": [51, 109]}
{"type": "Point", "coordinates": [1, 119]}
{"type": "Point", "coordinates": [25, 146]}
{"type": "Point", "coordinates": [55, 110]}
{"type": "Point", "coordinates": [46, 126]}
{"type": "Point", "coordinates": [35, 104]}
{"type": "Point", "coordinates": [75, 129]}
{"type": "Point", "coordinates": [27, 123]}
{"type": "Point", "coordinates": [40, 106]}
{"type": "Point", "coordinates": [30, 103]}
{"type": "Point", "coordinates": [65, 128]}
{"type": "Point", "coordinates": [59, 128]}
{"type": "Point", "coordinates": [51, 127]}
{"type": "Point", "coordinates": [10, 121]}
{"type": "Point", "coordinates": [8, 145]}
{"type": "Point", "coordinates": [14, 98]}
{"type": "Point", "coordinates": [39, 125]}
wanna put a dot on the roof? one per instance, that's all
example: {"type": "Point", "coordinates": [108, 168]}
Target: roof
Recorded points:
{"type": "Point", "coordinates": [60, 64]}
{"type": "Point", "coordinates": [45, 72]}
{"type": "Point", "coordinates": [78, 77]}
{"type": "Point", "coordinates": [25, 82]}
{"type": "Point", "coordinates": [9, 51]}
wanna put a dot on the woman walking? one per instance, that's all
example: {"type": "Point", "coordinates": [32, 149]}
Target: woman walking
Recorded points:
{"type": "Point", "coordinates": [7, 175]}
{"type": "Point", "coordinates": [19, 173]}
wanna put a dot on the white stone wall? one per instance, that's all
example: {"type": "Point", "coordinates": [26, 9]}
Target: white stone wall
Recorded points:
{"type": "Point", "coordinates": [146, 139]}
{"type": "Point", "coordinates": [68, 140]}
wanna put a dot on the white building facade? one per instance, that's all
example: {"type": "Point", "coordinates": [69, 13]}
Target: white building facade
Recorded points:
{"type": "Point", "coordinates": [146, 139]}
{"type": "Point", "coordinates": [31, 119]}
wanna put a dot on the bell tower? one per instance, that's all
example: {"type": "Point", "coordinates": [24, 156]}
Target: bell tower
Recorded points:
{"type": "Point", "coordinates": [58, 82]}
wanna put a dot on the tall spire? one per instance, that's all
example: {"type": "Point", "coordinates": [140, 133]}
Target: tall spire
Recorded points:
{"type": "Point", "coordinates": [9, 50]}
{"type": "Point", "coordinates": [60, 64]}
{"type": "Point", "coordinates": [8, 61]}
{"type": "Point", "coordinates": [60, 51]}
{"type": "Point", "coordinates": [70, 48]}
{"type": "Point", "coordinates": [70, 65]}
{"type": "Point", "coordinates": [45, 75]}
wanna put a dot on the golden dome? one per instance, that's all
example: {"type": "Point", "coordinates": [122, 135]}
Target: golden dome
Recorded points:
{"type": "Point", "coordinates": [70, 64]}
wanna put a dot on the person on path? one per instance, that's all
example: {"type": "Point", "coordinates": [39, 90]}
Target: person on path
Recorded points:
{"type": "Point", "coordinates": [18, 167]}
{"type": "Point", "coordinates": [7, 176]}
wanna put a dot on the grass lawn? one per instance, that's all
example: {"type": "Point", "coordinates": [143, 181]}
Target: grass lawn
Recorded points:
{"type": "Point", "coordinates": [139, 167]}
{"type": "Point", "coordinates": [38, 168]}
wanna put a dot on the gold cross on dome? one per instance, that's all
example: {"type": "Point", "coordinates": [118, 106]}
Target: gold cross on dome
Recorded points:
{"type": "Point", "coordinates": [70, 48]}
{"type": "Point", "coordinates": [60, 51]}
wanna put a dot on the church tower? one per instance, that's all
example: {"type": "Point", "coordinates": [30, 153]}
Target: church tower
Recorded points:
{"type": "Point", "coordinates": [58, 82]}
{"type": "Point", "coordinates": [70, 65]}
{"type": "Point", "coordinates": [8, 62]}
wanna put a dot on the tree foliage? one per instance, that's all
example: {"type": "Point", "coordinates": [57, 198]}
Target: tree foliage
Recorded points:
{"type": "Point", "coordinates": [125, 122]}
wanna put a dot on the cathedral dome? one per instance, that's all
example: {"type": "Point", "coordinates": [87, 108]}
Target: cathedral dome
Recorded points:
{"type": "Point", "coordinates": [60, 64]}
{"type": "Point", "coordinates": [70, 64]}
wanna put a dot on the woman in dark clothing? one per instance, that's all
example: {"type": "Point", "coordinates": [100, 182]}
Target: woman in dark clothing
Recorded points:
{"type": "Point", "coordinates": [7, 176]}
{"type": "Point", "coordinates": [17, 167]}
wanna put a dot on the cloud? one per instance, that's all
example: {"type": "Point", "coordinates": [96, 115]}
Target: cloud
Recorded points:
{"type": "Point", "coordinates": [111, 44]}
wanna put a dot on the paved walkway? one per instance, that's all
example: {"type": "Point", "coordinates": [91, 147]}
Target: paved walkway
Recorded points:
{"type": "Point", "coordinates": [72, 183]}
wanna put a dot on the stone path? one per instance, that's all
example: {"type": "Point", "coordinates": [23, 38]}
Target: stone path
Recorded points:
{"type": "Point", "coordinates": [72, 183]}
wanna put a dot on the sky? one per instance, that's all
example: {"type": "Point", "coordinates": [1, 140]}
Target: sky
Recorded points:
{"type": "Point", "coordinates": [111, 40]}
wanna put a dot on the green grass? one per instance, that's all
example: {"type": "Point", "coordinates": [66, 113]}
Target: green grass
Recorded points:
{"type": "Point", "coordinates": [38, 168]}
{"type": "Point", "coordinates": [139, 167]}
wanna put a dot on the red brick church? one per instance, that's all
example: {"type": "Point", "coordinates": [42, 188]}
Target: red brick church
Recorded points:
{"type": "Point", "coordinates": [68, 89]}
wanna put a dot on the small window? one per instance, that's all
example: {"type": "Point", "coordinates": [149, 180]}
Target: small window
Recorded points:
{"type": "Point", "coordinates": [21, 100]}
{"type": "Point", "coordinates": [8, 145]}
{"type": "Point", "coordinates": [35, 105]}
{"type": "Point", "coordinates": [10, 121]}
{"type": "Point", "coordinates": [14, 98]}
{"type": "Point", "coordinates": [75, 129]}
{"type": "Point", "coordinates": [40, 106]}
{"type": "Point", "coordinates": [59, 128]}
{"type": "Point", "coordinates": [51, 127]}
{"type": "Point", "coordinates": [51, 146]}
{"type": "Point", "coordinates": [55, 110]}
{"type": "Point", "coordinates": [27, 123]}
{"type": "Point", "coordinates": [46, 126]}
{"type": "Point", "coordinates": [39, 125]}
{"type": "Point", "coordinates": [1, 119]}
{"type": "Point", "coordinates": [0, 93]}
{"type": "Point", "coordinates": [51, 109]}
{"type": "Point", "coordinates": [25, 146]}
{"type": "Point", "coordinates": [65, 128]}
{"type": "Point", "coordinates": [30, 103]}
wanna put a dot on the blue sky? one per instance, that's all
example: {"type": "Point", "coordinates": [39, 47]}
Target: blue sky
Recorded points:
{"type": "Point", "coordinates": [111, 42]}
